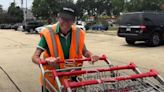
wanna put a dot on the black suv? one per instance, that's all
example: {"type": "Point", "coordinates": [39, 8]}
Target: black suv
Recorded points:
{"type": "Point", "coordinates": [142, 26]}
{"type": "Point", "coordinates": [30, 26]}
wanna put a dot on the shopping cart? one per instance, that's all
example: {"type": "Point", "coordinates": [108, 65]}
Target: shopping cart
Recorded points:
{"type": "Point", "coordinates": [127, 78]}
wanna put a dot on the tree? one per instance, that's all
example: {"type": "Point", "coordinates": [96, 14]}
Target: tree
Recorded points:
{"type": "Point", "coordinates": [144, 5]}
{"type": "Point", "coordinates": [15, 13]}
{"type": "Point", "coordinates": [45, 9]}
{"type": "Point", "coordinates": [49, 8]}
{"type": "Point", "coordinates": [136, 5]}
{"type": "Point", "coordinates": [118, 6]}
{"type": "Point", "coordinates": [40, 9]}
{"type": "Point", "coordinates": [94, 7]}
{"type": "Point", "coordinates": [103, 7]}
{"type": "Point", "coordinates": [1, 9]}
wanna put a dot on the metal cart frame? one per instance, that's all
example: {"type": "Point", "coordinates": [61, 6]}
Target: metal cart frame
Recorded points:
{"type": "Point", "coordinates": [105, 83]}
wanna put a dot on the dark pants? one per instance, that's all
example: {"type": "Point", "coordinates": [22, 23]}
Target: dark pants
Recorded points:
{"type": "Point", "coordinates": [46, 90]}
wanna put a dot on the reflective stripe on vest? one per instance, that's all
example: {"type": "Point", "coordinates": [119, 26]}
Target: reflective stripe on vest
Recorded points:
{"type": "Point", "coordinates": [77, 40]}
{"type": "Point", "coordinates": [54, 41]}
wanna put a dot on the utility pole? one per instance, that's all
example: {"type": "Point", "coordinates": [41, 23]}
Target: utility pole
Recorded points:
{"type": "Point", "coordinates": [22, 4]}
{"type": "Point", "coordinates": [24, 12]}
{"type": "Point", "coordinates": [26, 7]}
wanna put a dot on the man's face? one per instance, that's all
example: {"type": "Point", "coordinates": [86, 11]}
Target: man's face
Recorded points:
{"type": "Point", "coordinates": [65, 24]}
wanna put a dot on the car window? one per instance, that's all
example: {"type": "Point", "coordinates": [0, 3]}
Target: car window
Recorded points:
{"type": "Point", "coordinates": [160, 19]}
{"type": "Point", "coordinates": [149, 19]}
{"type": "Point", "coordinates": [154, 19]}
{"type": "Point", "coordinates": [131, 19]}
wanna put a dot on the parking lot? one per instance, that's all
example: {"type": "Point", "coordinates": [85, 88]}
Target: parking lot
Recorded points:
{"type": "Point", "coordinates": [19, 74]}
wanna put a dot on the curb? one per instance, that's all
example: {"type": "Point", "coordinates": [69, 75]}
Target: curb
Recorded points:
{"type": "Point", "coordinates": [109, 32]}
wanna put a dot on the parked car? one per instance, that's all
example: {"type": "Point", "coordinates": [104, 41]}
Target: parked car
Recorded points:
{"type": "Point", "coordinates": [2, 26]}
{"type": "Point", "coordinates": [5, 26]}
{"type": "Point", "coordinates": [20, 28]}
{"type": "Point", "coordinates": [99, 27]}
{"type": "Point", "coordinates": [86, 27]}
{"type": "Point", "coordinates": [81, 24]}
{"type": "Point", "coordinates": [142, 26]}
{"type": "Point", "coordinates": [39, 29]}
{"type": "Point", "coordinates": [30, 26]}
{"type": "Point", "coordinates": [15, 26]}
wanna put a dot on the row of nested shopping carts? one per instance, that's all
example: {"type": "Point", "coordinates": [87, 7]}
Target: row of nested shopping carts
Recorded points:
{"type": "Point", "coordinates": [112, 78]}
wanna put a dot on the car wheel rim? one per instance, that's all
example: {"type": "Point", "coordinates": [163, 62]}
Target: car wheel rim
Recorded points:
{"type": "Point", "coordinates": [156, 39]}
{"type": "Point", "coordinates": [31, 30]}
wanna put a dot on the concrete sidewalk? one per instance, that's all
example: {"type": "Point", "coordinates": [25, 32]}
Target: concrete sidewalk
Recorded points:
{"type": "Point", "coordinates": [6, 85]}
{"type": "Point", "coordinates": [17, 49]}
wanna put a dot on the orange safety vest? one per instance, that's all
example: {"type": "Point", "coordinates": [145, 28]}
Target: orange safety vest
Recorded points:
{"type": "Point", "coordinates": [55, 48]}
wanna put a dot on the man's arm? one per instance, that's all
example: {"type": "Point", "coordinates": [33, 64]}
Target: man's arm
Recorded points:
{"type": "Point", "coordinates": [42, 45]}
{"type": "Point", "coordinates": [86, 53]}
{"type": "Point", "coordinates": [50, 60]}
{"type": "Point", "coordinates": [89, 54]}
{"type": "Point", "coordinates": [36, 56]}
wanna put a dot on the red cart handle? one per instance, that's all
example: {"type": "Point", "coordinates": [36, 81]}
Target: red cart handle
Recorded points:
{"type": "Point", "coordinates": [103, 57]}
{"type": "Point", "coordinates": [114, 68]}
{"type": "Point", "coordinates": [67, 84]}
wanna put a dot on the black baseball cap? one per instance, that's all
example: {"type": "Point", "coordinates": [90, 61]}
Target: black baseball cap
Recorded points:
{"type": "Point", "coordinates": [68, 12]}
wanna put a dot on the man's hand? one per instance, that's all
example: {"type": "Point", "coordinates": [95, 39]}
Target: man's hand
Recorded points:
{"type": "Point", "coordinates": [52, 60]}
{"type": "Point", "coordinates": [94, 58]}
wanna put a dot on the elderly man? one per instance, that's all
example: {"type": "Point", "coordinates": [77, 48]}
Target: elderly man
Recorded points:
{"type": "Point", "coordinates": [62, 41]}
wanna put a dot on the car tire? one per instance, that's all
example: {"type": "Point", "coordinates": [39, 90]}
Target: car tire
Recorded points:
{"type": "Point", "coordinates": [36, 31]}
{"type": "Point", "coordinates": [23, 30]}
{"type": "Point", "coordinates": [154, 40]}
{"type": "Point", "coordinates": [28, 31]}
{"type": "Point", "coordinates": [130, 41]}
{"type": "Point", "coordinates": [31, 30]}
